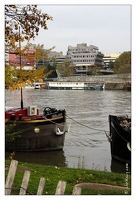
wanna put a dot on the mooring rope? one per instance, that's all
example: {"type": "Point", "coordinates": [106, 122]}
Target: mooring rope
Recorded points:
{"type": "Point", "coordinates": [86, 125]}
{"type": "Point", "coordinates": [81, 125]}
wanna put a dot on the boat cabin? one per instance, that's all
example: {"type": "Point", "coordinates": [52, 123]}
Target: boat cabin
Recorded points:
{"type": "Point", "coordinates": [19, 113]}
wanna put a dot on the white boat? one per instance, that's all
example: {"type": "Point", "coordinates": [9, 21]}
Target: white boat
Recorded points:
{"type": "Point", "coordinates": [37, 86]}
{"type": "Point", "coordinates": [40, 85]}
{"type": "Point", "coordinates": [74, 85]}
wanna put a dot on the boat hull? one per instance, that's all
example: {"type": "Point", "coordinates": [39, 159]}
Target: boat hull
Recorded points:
{"type": "Point", "coordinates": [36, 132]}
{"type": "Point", "coordinates": [77, 88]}
{"type": "Point", "coordinates": [46, 139]}
{"type": "Point", "coordinates": [120, 138]}
{"type": "Point", "coordinates": [72, 85]}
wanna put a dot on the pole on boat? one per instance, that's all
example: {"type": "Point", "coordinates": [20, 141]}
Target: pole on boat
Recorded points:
{"type": "Point", "coordinates": [21, 99]}
{"type": "Point", "coordinates": [20, 69]}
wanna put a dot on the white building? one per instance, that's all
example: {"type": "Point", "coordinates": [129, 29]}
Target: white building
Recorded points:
{"type": "Point", "coordinates": [109, 58]}
{"type": "Point", "coordinates": [57, 56]}
{"type": "Point", "coordinates": [83, 56]}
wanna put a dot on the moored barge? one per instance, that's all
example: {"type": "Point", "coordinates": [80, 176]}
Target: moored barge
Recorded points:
{"type": "Point", "coordinates": [120, 137]}
{"type": "Point", "coordinates": [34, 131]}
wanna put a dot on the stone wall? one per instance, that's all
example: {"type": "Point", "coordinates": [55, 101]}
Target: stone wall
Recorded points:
{"type": "Point", "coordinates": [114, 86]}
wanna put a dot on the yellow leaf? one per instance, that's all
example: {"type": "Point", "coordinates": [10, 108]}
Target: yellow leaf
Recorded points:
{"type": "Point", "coordinates": [40, 80]}
{"type": "Point", "coordinates": [29, 82]}
{"type": "Point", "coordinates": [23, 84]}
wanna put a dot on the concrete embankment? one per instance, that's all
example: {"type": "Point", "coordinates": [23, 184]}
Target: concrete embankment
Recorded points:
{"type": "Point", "coordinates": [114, 86]}
{"type": "Point", "coordinates": [112, 82]}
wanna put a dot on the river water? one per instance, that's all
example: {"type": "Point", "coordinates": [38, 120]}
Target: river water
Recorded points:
{"type": "Point", "coordinates": [86, 144]}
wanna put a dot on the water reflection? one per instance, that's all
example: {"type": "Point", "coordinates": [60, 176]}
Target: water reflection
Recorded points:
{"type": "Point", "coordinates": [56, 158]}
{"type": "Point", "coordinates": [120, 167]}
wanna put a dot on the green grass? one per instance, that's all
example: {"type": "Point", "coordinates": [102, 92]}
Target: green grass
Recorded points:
{"type": "Point", "coordinates": [72, 176]}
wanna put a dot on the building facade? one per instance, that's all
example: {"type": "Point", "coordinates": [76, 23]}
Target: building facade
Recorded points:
{"type": "Point", "coordinates": [83, 56]}
{"type": "Point", "coordinates": [27, 61]}
{"type": "Point", "coordinates": [58, 57]}
{"type": "Point", "coordinates": [53, 56]}
{"type": "Point", "coordinates": [109, 59]}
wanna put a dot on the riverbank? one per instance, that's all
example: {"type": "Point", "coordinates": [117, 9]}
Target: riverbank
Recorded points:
{"type": "Point", "coordinates": [53, 174]}
{"type": "Point", "coordinates": [112, 82]}
{"type": "Point", "coordinates": [114, 86]}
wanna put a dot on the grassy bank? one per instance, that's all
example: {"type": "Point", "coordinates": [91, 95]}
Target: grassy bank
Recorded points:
{"type": "Point", "coordinates": [72, 176]}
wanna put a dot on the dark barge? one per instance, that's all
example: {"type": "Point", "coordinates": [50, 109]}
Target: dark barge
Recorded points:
{"type": "Point", "coordinates": [120, 138]}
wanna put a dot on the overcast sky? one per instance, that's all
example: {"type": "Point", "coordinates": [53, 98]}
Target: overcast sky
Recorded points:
{"type": "Point", "coordinates": [104, 25]}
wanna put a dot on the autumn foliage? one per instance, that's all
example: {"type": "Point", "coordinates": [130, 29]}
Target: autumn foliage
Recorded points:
{"type": "Point", "coordinates": [22, 24]}
{"type": "Point", "coordinates": [28, 18]}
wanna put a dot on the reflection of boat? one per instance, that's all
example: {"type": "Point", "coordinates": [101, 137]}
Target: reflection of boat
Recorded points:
{"type": "Point", "coordinates": [55, 158]}
{"type": "Point", "coordinates": [75, 85]}
{"type": "Point", "coordinates": [35, 132]}
{"type": "Point", "coordinates": [120, 167]}
{"type": "Point", "coordinates": [120, 134]}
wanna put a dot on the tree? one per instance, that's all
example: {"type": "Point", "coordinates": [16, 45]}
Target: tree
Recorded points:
{"type": "Point", "coordinates": [28, 18]}
{"type": "Point", "coordinates": [65, 68]}
{"type": "Point", "coordinates": [22, 23]}
{"type": "Point", "coordinates": [123, 63]}
{"type": "Point", "coordinates": [52, 67]}
{"type": "Point", "coordinates": [111, 65]}
{"type": "Point", "coordinates": [93, 69]}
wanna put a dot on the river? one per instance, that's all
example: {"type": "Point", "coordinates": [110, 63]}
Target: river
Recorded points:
{"type": "Point", "coordinates": [86, 144]}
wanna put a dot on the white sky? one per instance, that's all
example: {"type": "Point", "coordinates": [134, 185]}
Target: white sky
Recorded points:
{"type": "Point", "coordinates": [106, 26]}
